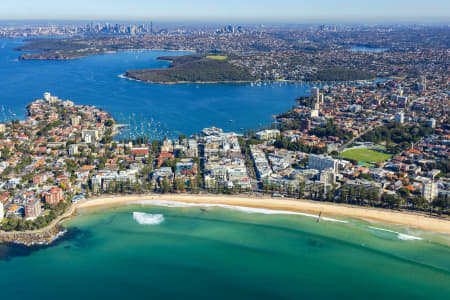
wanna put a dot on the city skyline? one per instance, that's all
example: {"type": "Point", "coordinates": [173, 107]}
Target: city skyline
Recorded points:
{"type": "Point", "coordinates": [288, 10]}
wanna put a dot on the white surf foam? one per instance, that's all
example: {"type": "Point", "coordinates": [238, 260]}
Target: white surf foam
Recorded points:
{"type": "Point", "coordinates": [400, 236]}
{"type": "Point", "coordinates": [148, 219]}
{"type": "Point", "coordinates": [244, 209]}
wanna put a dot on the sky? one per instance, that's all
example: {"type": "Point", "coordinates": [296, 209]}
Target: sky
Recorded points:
{"type": "Point", "coordinates": [298, 10]}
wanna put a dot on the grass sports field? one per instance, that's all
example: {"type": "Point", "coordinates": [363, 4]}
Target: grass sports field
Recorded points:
{"type": "Point", "coordinates": [365, 155]}
{"type": "Point", "coordinates": [218, 57]}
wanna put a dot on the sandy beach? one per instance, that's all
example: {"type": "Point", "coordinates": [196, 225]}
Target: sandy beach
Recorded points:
{"type": "Point", "coordinates": [314, 207]}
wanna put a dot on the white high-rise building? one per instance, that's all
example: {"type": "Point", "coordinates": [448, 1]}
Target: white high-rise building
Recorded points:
{"type": "Point", "coordinates": [47, 96]}
{"type": "Point", "coordinates": [268, 134]}
{"type": "Point", "coordinates": [322, 162]}
{"type": "Point", "coordinates": [2, 213]}
{"type": "Point", "coordinates": [315, 93]}
{"type": "Point", "coordinates": [90, 136]}
{"type": "Point", "coordinates": [328, 176]}
{"type": "Point", "coordinates": [73, 149]}
{"type": "Point", "coordinates": [432, 123]}
{"type": "Point", "coordinates": [429, 190]}
{"type": "Point", "coordinates": [321, 98]}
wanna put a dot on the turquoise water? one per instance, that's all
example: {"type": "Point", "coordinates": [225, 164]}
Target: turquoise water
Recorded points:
{"type": "Point", "coordinates": [152, 109]}
{"type": "Point", "coordinates": [225, 254]}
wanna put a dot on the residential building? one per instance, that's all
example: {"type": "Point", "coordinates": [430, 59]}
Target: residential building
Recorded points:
{"type": "Point", "coordinates": [328, 177]}
{"type": "Point", "coordinates": [73, 149]}
{"type": "Point", "coordinates": [54, 195]}
{"type": "Point", "coordinates": [90, 136]}
{"type": "Point", "coordinates": [429, 190]}
{"type": "Point", "coordinates": [75, 121]}
{"type": "Point", "coordinates": [186, 167]}
{"type": "Point", "coordinates": [268, 134]}
{"type": "Point", "coordinates": [432, 123]}
{"type": "Point", "coordinates": [32, 208]}
{"type": "Point", "coordinates": [322, 162]}
{"type": "Point", "coordinates": [2, 212]}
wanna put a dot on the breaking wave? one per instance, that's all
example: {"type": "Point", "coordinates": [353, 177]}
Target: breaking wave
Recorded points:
{"type": "Point", "coordinates": [148, 219]}
{"type": "Point", "coordinates": [238, 208]}
{"type": "Point", "coordinates": [400, 236]}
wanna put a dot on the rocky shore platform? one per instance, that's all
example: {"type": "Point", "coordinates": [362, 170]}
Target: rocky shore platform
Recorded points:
{"type": "Point", "coordinates": [43, 237]}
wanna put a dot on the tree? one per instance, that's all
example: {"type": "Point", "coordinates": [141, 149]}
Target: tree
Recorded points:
{"type": "Point", "coordinates": [165, 186]}
{"type": "Point", "coordinates": [441, 202]}
{"type": "Point", "coordinates": [88, 191]}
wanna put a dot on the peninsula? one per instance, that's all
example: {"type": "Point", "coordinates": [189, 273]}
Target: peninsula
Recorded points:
{"type": "Point", "coordinates": [193, 69]}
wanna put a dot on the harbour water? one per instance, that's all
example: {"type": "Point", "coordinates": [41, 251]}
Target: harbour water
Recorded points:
{"type": "Point", "coordinates": [157, 252]}
{"type": "Point", "coordinates": [152, 109]}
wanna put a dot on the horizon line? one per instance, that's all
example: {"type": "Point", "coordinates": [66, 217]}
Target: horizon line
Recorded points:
{"type": "Point", "coordinates": [250, 19]}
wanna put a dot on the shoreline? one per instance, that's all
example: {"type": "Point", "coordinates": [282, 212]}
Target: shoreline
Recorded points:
{"type": "Point", "coordinates": [55, 229]}
{"type": "Point", "coordinates": [288, 204]}
{"type": "Point", "coordinates": [124, 76]}
{"type": "Point", "coordinates": [27, 56]}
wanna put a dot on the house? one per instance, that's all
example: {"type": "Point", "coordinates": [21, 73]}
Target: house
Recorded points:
{"type": "Point", "coordinates": [15, 211]}
{"type": "Point", "coordinates": [163, 156]}
{"type": "Point", "coordinates": [186, 167]}
{"type": "Point", "coordinates": [139, 152]}
{"type": "Point", "coordinates": [40, 179]}
{"type": "Point", "coordinates": [160, 174]}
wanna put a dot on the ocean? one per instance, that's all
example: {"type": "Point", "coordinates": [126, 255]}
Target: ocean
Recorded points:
{"type": "Point", "coordinates": [144, 251]}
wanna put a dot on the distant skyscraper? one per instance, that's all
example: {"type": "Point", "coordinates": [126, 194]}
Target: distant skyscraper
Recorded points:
{"type": "Point", "coordinates": [422, 85]}
{"type": "Point", "coordinates": [315, 92]}
{"type": "Point", "coordinates": [315, 95]}
{"type": "Point", "coordinates": [432, 123]}
{"type": "Point", "coordinates": [400, 117]}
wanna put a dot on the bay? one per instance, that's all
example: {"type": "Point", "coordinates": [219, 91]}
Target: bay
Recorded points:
{"type": "Point", "coordinates": [152, 109]}
{"type": "Point", "coordinates": [219, 253]}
